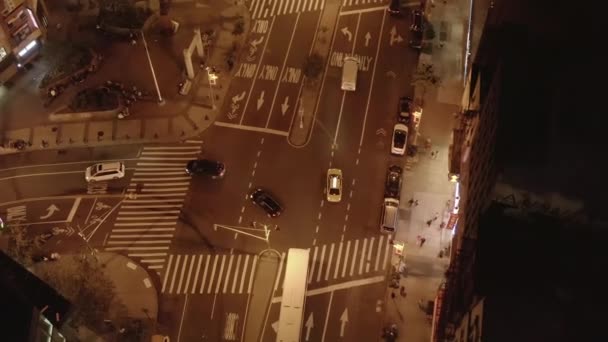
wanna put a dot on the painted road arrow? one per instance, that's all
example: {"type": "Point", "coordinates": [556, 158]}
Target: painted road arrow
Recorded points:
{"type": "Point", "coordinates": [367, 38]}
{"type": "Point", "coordinates": [309, 325]}
{"type": "Point", "coordinates": [285, 105]}
{"type": "Point", "coordinates": [237, 98]}
{"type": "Point", "coordinates": [347, 33]}
{"type": "Point", "coordinates": [343, 321]}
{"type": "Point", "coordinates": [49, 212]}
{"type": "Point", "coordinates": [394, 36]}
{"type": "Point", "coordinates": [257, 42]}
{"type": "Point", "coordinates": [261, 100]}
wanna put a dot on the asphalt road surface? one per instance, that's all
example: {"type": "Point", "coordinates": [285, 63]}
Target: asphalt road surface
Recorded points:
{"type": "Point", "coordinates": [201, 237]}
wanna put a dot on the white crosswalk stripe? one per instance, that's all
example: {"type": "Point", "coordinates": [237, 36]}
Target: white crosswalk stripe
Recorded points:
{"type": "Point", "coordinates": [146, 221]}
{"type": "Point", "coordinates": [362, 2]}
{"type": "Point", "coordinates": [233, 273]}
{"type": "Point", "coordinates": [262, 9]}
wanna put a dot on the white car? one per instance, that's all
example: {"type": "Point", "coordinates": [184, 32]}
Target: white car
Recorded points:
{"type": "Point", "coordinates": [334, 185]}
{"type": "Point", "coordinates": [104, 172]}
{"type": "Point", "coordinates": [399, 142]}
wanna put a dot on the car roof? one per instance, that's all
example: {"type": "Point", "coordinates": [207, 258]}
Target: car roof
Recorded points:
{"type": "Point", "coordinates": [110, 165]}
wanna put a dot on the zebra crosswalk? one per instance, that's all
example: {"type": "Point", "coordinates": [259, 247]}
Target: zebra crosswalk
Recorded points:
{"type": "Point", "coordinates": [261, 9]}
{"type": "Point", "coordinates": [363, 2]}
{"type": "Point", "coordinates": [233, 273]}
{"type": "Point", "coordinates": [147, 217]}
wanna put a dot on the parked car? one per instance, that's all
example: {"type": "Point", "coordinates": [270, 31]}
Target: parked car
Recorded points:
{"type": "Point", "coordinates": [334, 185]}
{"type": "Point", "coordinates": [399, 140]}
{"type": "Point", "coordinates": [393, 182]}
{"type": "Point", "coordinates": [405, 110]}
{"type": "Point", "coordinates": [417, 21]}
{"type": "Point", "coordinates": [104, 172]}
{"type": "Point", "coordinates": [206, 167]}
{"type": "Point", "coordinates": [267, 202]}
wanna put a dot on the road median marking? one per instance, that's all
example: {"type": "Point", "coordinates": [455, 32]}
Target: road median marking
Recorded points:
{"type": "Point", "coordinates": [341, 286]}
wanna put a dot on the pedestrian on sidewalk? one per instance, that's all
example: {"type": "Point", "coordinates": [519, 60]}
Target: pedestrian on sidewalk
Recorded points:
{"type": "Point", "coordinates": [422, 241]}
{"type": "Point", "coordinates": [416, 203]}
{"type": "Point", "coordinates": [402, 292]}
{"type": "Point", "coordinates": [435, 217]}
{"type": "Point", "coordinates": [392, 295]}
{"type": "Point", "coordinates": [411, 202]}
{"type": "Point", "coordinates": [429, 222]}
{"type": "Point", "coordinates": [436, 154]}
{"type": "Point", "coordinates": [433, 155]}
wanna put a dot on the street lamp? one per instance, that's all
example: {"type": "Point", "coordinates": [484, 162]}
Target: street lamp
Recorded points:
{"type": "Point", "coordinates": [160, 98]}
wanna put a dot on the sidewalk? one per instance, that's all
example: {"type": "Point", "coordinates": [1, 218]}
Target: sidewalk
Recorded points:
{"type": "Point", "coordinates": [427, 182]}
{"type": "Point", "coordinates": [180, 118]}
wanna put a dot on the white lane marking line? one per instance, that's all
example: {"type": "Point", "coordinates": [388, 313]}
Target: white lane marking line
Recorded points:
{"type": "Point", "coordinates": [161, 148]}
{"type": "Point", "coordinates": [198, 269]}
{"type": "Point", "coordinates": [255, 262]}
{"type": "Point", "coordinates": [130, 248]}
{"type": "Point", "coordinates": [365, 10]}
{"type": "Point", "coordinates": [314, 259]}
{"type": "Point", "coordinates": [219, 275]}
{"type": "Point", "coordinates": [338, 260]}
{"type": "Point", "coordinates": [280, 273]}
{"type": "Point", "coordinates": [248, 128]}
{"type": "Point", "coordinates": [258, 70]}
{"type": "Point", "coordinates": [369, 254]}
{"type": "Point", "coordinates": [379, 251]}
{"type": "Point", "coordinates": [139, 242]}
{"type": "Point", "coordinates": [166, 273]}
{"type": "Point", "coordinates": [245, 263]}
{"type": "Point", "coordinates": [236, 273]}
{"type": "Point", "coordinates": [211, 278]}
{"type": "Point", "coordinates": [204, 279]}
{"type": "Point", "coordinates": [372, 83]}
{"type": "Point", "coordinates": [331, 254]}
{"type": "Point", "coordinates": [227, 279]}
{"type": "Point", "coordinates": [386, 252]}
{"type": "Point", "coordinates": [320, 271]}
{"type": "Point", "coordinates": [147, 254]}
{"type": "Point", "coordinates": [337, 287]}
{"type": "Point", "coordinates": [352, 266]}
{"type": "Point", "coordinates": [176, 269]}
{"type": "Point", "coordinates": [346, 255]}
{"type": "Point", "coordinates": [74, 208]}
{"type": "Point", "coordinates": [181, 276]}
{"type": "Point", "coordinates": [362, 259]}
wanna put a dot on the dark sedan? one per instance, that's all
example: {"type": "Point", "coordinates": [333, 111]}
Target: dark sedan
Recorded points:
{"type": "Point", "coordinates": [393, 182]}
{"type": "Point", "coordinates": [267, 202]}
{"type": "Point", "coordinates": [206, 167]}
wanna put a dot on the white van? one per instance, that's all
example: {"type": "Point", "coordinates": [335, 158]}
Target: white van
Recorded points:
{"type": "Point", "coordinates": [350, 68]}
{"type": "Point", "coordinates": [389, 217]}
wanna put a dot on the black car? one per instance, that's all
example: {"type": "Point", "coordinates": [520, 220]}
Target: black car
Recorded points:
{"type": "Point", "coordinates": [417, 21]}
{"type": "Point", "coordinates": [416, 41]}
{"type": "Point", "coordinates": [265, 200]}
{"type": "Point", "coordinates": [206, 167]}
{"type": "Point", "coordinates": [393, 182]}
{"type": "Point", "coordinates": [394, 7]}
{"type": "Point", "coordinates": [405, 110]}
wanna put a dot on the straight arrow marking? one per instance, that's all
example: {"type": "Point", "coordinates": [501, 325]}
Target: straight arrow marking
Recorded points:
{"type": "Point", "coordinates": [343, 321]}
{"type": "Point", "coordinates": [260, 100]}
{"type": "Point", "coordinates": [285, 105]}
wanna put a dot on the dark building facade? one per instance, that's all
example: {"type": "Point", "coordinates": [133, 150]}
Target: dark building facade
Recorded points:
{"type": "Point", "coordinates": [527, 143]}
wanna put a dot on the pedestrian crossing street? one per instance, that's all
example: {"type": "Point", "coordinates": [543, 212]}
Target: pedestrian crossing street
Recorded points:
{"type": "Point", "coordinates": [261, 9]}
{"type": "Point", "coordinates": [148, 215]}
{"type": "Point", "coordinates": [233, 273]}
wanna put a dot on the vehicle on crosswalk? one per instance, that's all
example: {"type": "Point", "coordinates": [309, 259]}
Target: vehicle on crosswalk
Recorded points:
{"type": "Point", "coordinates": [334, 185]}
{"type": "Point", "coordinates": [266, 201]}
{"type": "Point", "coordinates": [399, 141]}
{"type": "Point", "coordinates": [104, 172]}
{"type": "Point", "coordinates": [206, 167]}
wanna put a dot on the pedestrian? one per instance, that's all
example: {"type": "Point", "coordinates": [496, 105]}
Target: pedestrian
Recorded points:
{"type": "Point", "coordinates": [416, 202]}
{"type": "Point", "coordinates": [411, 202]}
{"type": "Point", "coordinates": [429, 222]}
{"type": "Point", "coordinates": [436, 154]}
{"type": "Point", "coordinates": [422, 241]}
{"type": "Point", "coordinates": [435, 217]}
{"type": "Point", "coordinates": [433, 155]}
{"type": "Point", "coordinates": [392, 295]}
{"type": "Point", "coordinates": [402, 292]}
